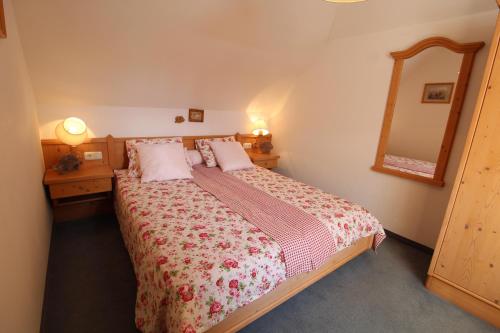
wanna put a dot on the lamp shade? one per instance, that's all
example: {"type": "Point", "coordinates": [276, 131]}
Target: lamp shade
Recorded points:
{"type": "Point", "coordinates": [260, 128]}
{"type": "Point", "coordinates": [72, 131]}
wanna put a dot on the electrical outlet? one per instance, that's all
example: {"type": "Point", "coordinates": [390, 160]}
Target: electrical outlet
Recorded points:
{"type": "Point", "coordinates": [247, 145]}
{"type": "Point", "coordinates": [92, 155]}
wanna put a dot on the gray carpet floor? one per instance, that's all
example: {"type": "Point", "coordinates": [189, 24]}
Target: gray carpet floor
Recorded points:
{"type": "Point", "coordinates": [91, 288]}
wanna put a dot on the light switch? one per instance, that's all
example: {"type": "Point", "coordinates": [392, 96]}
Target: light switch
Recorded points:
{"type": "Point", "coordinates": [92, 155]}
{"type": "Point", "coordinates": [247, 145]}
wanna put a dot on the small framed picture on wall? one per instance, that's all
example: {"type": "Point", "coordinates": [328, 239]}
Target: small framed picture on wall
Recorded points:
{"type": "Point", "coordinates": [438, 92]}
{"type": "Point", "coordinates": [196, 116]}
{"type": "Point", "coordinates": [3, 29]}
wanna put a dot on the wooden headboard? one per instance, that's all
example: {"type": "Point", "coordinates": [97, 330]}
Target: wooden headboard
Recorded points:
{"type": "Point", "coordinates": [114, 152]}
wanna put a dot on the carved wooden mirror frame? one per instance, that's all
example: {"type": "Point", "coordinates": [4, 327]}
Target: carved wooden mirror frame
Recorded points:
{"type": "Point", "coordinates": [469, 51]}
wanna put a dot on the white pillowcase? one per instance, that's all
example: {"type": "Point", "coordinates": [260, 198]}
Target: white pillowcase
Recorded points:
{"type": "Point", "coordinates": [188, 161]}
{"type": "Point", "coordinates": [230, 156]}
{"type": "Point", "coordinates": [164, 161]}
{"type": "Point", "coordinates": [195, 157]}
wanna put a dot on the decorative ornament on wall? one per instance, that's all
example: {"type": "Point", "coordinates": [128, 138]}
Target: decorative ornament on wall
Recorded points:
{"type": "Point", "coordinates": [3, 29]}
{"type": "Point", "coordinates": [179, 119]}
{"type": "Point", "coordinates": [196, 115]}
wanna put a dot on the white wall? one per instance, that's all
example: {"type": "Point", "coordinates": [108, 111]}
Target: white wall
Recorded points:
{"type": "Point", "coordinates": [327, 133]}
{"type": "Point", "coordinates": [24, 218]}
{"type": "Point", "coordinates": [139, 64]}
{"type": "Point", "coordinates": [132, 121]}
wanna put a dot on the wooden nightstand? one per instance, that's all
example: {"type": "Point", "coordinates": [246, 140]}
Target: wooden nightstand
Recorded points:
{"type": "Point", "coordinates": [268, 161]}
{"type": "Point", "coordinates": [80, 193]}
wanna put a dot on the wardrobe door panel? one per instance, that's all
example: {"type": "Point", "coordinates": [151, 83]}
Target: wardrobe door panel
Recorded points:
{"type": "Point", "coordinates": [470, 252]}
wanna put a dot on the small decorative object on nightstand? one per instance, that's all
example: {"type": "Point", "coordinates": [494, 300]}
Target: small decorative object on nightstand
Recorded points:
{"type": "Point", "coordinates": [82, 193]}
{"type": "Point", "coordinates": [268, 161]}
{"type": "Point", "coordinates": [266, 147]}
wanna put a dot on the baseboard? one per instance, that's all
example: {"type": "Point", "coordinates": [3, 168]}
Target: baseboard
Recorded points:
{"type": "Point", "coordinates": [407, 241]}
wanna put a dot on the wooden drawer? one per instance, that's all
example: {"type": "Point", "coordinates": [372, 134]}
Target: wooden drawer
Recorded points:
{"type": "Point", "coordinates": [83, 209]}
{"type": "Point", "coordinates": [268, 164]}
{"type": "Point", "coordinates": [80, 188]}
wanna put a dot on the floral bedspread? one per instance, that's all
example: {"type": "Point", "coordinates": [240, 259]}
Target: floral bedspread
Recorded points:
{"type": "Point", "coordinates": [196, 261]}
{"type": "Point", "coordinates": [410, 165]}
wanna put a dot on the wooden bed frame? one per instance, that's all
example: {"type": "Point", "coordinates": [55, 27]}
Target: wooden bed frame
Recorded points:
{"type": "Point", "coordinates": [114, 155]}
{"type": "Point", "coordinates": [114, 152]}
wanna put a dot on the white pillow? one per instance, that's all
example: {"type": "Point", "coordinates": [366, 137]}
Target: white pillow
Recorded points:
{"type": "Point", "coordinates": [230, 156]}
{"type": "Point", "coordinates": [164, 161]}
{"type": "Point", "coordinates": [188, 161]}
{"type": "Point", "coordinates": [195, 157]}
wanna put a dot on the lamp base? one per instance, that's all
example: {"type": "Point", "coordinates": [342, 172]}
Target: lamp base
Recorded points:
{"type": "Point", "coordinates": [67, 163]}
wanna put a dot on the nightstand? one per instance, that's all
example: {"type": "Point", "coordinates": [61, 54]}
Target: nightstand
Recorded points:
{"type": "Point", "coordinates": [268, 161]}
{"type": "Point", "coordinates": [79, 194]}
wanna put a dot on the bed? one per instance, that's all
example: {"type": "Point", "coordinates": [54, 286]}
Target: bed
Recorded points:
{"type": "Point", "coordinates": [410, 165]}
{"type": "Point", "coordinates": [202, 267]}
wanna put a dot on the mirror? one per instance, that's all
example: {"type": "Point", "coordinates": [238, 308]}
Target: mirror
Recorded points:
{"type": "Point", "coordinates": [426, 95]}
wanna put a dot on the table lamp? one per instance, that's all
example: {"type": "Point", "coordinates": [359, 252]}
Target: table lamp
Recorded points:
{"type": "Point", "coordinates": [260, 128]}
{"type": "Point", "coordinates": [73, 132]}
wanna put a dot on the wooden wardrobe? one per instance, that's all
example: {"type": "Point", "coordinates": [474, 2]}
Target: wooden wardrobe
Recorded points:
{"type": "Point", "coordinates": [465, 268]}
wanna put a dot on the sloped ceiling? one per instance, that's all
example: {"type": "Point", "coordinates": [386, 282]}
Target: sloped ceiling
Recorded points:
{"type": "Point", "coordinates": [379, 15]}
{"type": "Point", "coordinates": [215, 54]}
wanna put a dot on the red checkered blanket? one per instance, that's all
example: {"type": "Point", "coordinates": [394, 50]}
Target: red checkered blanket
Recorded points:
{"type": "Point", "coordinates": [305, 241]}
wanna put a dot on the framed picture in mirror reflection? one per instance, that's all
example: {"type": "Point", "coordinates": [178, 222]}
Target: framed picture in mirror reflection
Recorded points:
{"type": "Point", "coordinates": [438, 92]}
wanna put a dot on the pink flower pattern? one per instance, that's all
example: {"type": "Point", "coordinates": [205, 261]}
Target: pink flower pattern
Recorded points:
{"type": "Point", "coordinates": [410, 165]}
{"type": "Point", "coordinates": [206, 152]}
{"type": "Point", "coordinates": [196, 261]}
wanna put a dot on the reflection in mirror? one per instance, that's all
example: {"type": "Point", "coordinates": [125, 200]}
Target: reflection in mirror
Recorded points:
{"type": "Point", "coordinates": [421, 111]}
{"type": "Point", "coordinates": [426, 95]}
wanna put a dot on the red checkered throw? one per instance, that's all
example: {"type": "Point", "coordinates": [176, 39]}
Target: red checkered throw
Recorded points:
{"type": "Point", "coordinates": [305, 241]}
